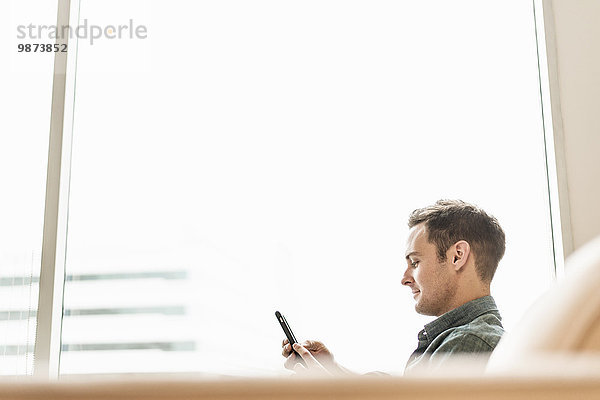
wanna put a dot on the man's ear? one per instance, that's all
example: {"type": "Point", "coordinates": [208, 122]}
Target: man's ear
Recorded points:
{"type": "Point", "coordinates": [459, 254]}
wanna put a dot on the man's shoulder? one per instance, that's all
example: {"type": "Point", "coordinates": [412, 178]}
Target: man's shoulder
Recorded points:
{"type": "Point", "coordinates": [476, 338]}
{"type": "Point", "coordinates": [481, 334]}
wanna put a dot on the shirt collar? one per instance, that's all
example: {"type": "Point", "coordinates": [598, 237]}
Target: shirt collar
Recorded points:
{"type": "Point", "coordinates": [461, 315]}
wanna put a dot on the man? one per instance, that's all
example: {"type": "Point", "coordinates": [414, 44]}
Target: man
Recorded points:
{"type": "Point", "coordinates": [452, 253]}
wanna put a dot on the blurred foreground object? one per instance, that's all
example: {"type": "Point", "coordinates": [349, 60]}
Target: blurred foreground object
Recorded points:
{"type": "Point", "coordinates": [564, 322]}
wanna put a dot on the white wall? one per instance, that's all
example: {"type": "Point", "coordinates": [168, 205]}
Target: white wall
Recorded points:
{"type": "Point", "coordinates": [577, 40]}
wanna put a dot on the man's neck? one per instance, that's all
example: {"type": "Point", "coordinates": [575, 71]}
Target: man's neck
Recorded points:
{"type": "Point", "coordinates": [467, 297]}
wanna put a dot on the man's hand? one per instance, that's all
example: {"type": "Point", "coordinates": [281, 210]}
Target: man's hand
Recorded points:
{"type": "Point", "coordinates": [317, 358]}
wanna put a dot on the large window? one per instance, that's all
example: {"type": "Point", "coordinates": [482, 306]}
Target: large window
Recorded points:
{"type": "Point", "coordinates": [242, 157]}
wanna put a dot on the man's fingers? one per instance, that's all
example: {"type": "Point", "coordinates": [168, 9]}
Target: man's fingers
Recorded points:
{"type": "Point", "coordinates": [287, 350]}
{"type": "Point", "coordinates": [291, 361]}
{"type": "Point", "coordinates": [300, 369]}
{"type": "Point", "coordinates": [306, 356]}
{"type": "Point", "coordinates": [315, 347]}
{"type": "Point", "coordinates": [312, 345]}
{"type": "Point", "coordinates": [311, 366]}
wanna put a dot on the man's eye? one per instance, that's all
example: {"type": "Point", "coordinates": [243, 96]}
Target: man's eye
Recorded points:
{"type": "Point", "coordinates": [414, 264]}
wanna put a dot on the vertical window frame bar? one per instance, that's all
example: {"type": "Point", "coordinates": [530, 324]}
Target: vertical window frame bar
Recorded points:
{"type": "Point", "coordinates": [52, 272]}
{"type": "Point", "coordinates": [558, 192]}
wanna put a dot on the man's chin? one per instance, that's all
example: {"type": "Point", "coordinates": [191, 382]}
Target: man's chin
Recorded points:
{"type": "Point", "coordinates": [423, 309]}
{"type": "Point", "coordinates": [418, 307]}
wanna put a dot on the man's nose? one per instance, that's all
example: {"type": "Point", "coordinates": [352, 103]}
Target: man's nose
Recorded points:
{"type": "Point", "coordinates": [407, 279]}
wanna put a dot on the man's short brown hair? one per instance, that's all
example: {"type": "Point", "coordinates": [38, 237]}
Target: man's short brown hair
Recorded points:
{"type": "Point", "coordinates": [449, 221]}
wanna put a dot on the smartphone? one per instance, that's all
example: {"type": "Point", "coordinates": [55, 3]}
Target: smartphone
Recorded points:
{"type": "Point", "coordinates": [287, 330]}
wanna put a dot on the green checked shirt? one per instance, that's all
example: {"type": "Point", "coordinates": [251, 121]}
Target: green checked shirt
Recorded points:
{"type": "Point", "coordinates": [473, 329]}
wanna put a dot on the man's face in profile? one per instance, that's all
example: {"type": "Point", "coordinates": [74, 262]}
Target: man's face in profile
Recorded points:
{"type": "Point", "coordinates": [432, 284]}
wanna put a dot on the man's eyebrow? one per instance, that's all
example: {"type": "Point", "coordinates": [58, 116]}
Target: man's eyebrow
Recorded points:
{"type": "Point", "coordinates": [412, 253]}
